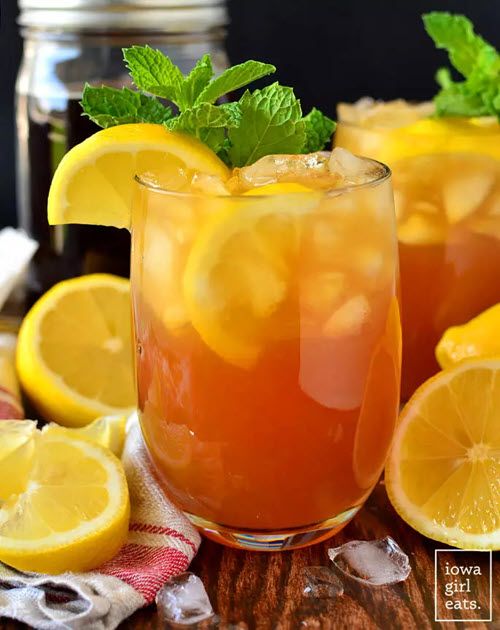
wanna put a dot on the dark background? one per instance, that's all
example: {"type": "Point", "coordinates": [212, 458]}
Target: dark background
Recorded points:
{"type": "Point", "coordinates": [328, 50]}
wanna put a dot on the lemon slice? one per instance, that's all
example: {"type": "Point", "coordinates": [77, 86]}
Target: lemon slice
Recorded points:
{"type": "Point", "coordinates": [108, 431]}
{"type": "Point", "coordinates": [238, 273]}
{"type": "Point", "coordinates": [17, 447]}
{"type": "Point", "coordinates": [94, 181]}
{"type": "Point", "coordinates": [74, 352]}
{"type": "Point", "coordinates": [443, 473]}
{"type": "Point", "coordinates": [72, 514]}
{"type": "Point", "coordinates": [439, 136]}
{"type": "Point", "coordinates": [477, 338]}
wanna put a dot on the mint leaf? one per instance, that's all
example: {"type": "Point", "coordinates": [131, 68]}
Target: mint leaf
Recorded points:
{"type": "Point", "coordinates": [270, 123]}
{"type": "Point", "coordinates": [319, 129]}
{"type": "Point", "coordinates": [109, 106]}
{"type": "Point", "coordinates": [455, 33]}
{"type": "Point", "coordinates": [208, 123]}
{"type": "Point", "coordinates": [152, 111]}
{"type": "Point", "coordinates": [456, 101]}
{"type": "Point", "coordinates": [474, 58]}
{"type": "Point", "coordinates": [196, 80]}
{"type": "Point", "coordinates": [216, 139]}
{"type": "Point", "coordinates": [202, 116]}
{"type": "Point", "coordinates": [154, 72]}
{"type": "Point", "coordinates": [234, 78]}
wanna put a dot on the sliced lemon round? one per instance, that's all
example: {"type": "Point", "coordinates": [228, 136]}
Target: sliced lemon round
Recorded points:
{"type": "Point", "coordinates": [94, 181]}
{"type": "Point", "coordinates": [238, 273]}
{"type": "Point", "coordinates": [72, 514]}
{"type": "Point", "coordinates": [443, 473]}
{"type": "Point", "coordinates": [108, 431]}
{"type": "Point", "coordinates": [477, 338]}
{"type": "Point", "coordinates": [17, 447]}
{"type": "Point", "coordinates": [74, 352]}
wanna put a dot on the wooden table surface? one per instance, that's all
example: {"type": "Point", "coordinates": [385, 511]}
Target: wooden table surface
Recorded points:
{"type": "Point", "coordinates": [264, 591]}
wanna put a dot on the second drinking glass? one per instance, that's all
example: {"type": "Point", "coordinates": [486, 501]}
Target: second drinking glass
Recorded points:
{"type": "Point", "coordinates": [447, 190]}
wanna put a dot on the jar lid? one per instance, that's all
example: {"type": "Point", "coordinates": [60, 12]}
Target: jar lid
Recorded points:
{"type": "Point", "coordinates": [166, 16]}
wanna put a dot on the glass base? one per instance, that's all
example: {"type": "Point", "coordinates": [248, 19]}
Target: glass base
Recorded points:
{"type": "Point", "coordinates": [281, 540]}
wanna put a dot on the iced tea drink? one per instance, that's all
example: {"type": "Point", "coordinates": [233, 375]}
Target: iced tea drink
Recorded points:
{"type": "Point", "coordinates": [446, 177]}
{"type": "Point", "coordinates": [268, 344]}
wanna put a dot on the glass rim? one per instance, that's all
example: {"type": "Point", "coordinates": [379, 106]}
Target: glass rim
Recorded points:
{"type": "Point", "coordinates": [379, 179]}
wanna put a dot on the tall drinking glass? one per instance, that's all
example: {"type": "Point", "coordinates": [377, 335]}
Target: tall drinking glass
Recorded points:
{"type": "Point", "coordinates": [268, 354]}
{"type": "Point", "coordinates": [446, 177]}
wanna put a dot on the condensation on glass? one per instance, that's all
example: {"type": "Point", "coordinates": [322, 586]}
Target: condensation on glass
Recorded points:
{"type": "Point", "coordinates": [66, 44]}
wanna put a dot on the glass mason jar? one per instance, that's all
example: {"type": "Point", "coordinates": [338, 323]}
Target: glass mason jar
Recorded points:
{"type": "Point", "coordinates": [268, 355]}
{"type": "Point", "coordinates": [67, 44]}
{"type": "Point", "coordinates": [446, 175]}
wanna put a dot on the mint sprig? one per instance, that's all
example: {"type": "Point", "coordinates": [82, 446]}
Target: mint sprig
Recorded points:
{"type": "Point", "coordinates": [474, 58]}
{"type": "Point", "coordinates": [108, 106]}
{"type": "Point", "coordinates": [262, 122]}
{"type": "Point", "coordinates": [271, 122]}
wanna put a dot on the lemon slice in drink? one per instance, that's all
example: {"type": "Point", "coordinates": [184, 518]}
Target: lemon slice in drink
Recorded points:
{"type": "Point", "coordinates": [94, 181]}
{"type": "Point", "coordinates": [443, 473]}
{"type": "Point", "coordinates": [237, 277]}
{"type": "Point", "coordinates": [71, 513]}
{"type": "Point", "coordinates": [74, 352]}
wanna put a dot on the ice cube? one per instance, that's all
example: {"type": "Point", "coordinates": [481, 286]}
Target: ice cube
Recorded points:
{"type": "Point", "coordinates": [324, 237]}
{"type": "Point", "coordinates": [372, 562]}
{"type": "Point", "coordinates": [369, 261]}
{"type": "Point", "coordinates": [465, 192]}
{"type": "Point", "coordinates": [346, 163]}
{"type": "Point", "coordinates": [320, 291]}
{"type": "Point", "coordinates": [321, 583]}
{"type": "Point", "coordinates": [272, 169]}
{"type": "Point", "coordinates": [351, 169]}
{"type": "Point", "coordinates": [208, 184]}
{"type": "Point", "coordinates": [348, 318]}
{"type": "Point", "coordinates": [184, 600]}
{"type": "Point", "coordinates": [396, 113]}
{"type": "Point", "coordinates": [354, 112]}
{"type": "Point", "coordinates": [425, 206]}
{"type": "Point", "coordinates": [421, 229]}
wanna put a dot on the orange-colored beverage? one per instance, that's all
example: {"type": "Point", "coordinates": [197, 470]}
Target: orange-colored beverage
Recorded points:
{"type": "Point", "coordinates": [268, 336]}
{"type": "Point", "coordinates": [446, 175]}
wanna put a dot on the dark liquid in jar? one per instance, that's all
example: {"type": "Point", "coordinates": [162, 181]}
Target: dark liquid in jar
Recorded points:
{"type": "Point", "coordinates": [64, 251]}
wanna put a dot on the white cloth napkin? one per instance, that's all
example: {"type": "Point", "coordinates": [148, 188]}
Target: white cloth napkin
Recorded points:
{"type": "Point", "coordinates": [16, 250]}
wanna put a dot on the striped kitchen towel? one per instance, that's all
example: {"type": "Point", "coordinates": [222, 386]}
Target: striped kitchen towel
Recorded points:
{"type": "Point", "coordinates": [10, 398]}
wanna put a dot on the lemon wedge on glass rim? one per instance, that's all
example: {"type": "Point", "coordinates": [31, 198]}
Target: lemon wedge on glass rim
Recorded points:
{"type": "Point", "coordinates": [94, 181]}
